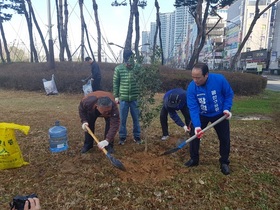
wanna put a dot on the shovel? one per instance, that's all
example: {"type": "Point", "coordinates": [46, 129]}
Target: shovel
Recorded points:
{"type": "Point", "coordinates": [181, 145]}
{"type": "Point", "coordinates": [118, 164]}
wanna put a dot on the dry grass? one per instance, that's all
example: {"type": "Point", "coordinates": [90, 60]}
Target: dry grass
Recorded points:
{"type": "Point", "coordinates": [69, 180]}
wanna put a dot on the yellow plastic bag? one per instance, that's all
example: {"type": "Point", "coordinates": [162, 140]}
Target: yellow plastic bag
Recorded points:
{"type": "Point", "coordinates": [10, 153]}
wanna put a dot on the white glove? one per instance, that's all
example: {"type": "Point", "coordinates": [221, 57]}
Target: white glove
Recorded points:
{"type": "Point", "coordinates": [198, 132]}
{"type": "Point", "coordinates": [84, 126]}
{"type": "Point", "coordinates": [228, 114]}
{"type": "Point", "coordinates": [117, 100]}
{"type": "Point", "coordinates": [186, 129]}
{"type": "Point", "coordinates": [103, 144]}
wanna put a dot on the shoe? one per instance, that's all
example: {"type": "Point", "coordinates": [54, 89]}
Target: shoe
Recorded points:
{"type": "Point", "coordinates": [225, 169]}
{"type": "Point", "coordinates": [137, 140]}
{"type": "Point", "coordinates": [164, 138]}
{"type": "Point", "coordinates": [122, 140]}
{"type": "Point", "coordinates": [85, 149]}
{"type": "Point", "coordinates": [191, 163]}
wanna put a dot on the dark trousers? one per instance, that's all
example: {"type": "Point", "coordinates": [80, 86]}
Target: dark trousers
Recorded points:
{"type": "Point", "coordinates": [95, 84]}
{"type": "Point", "coordinates": [164, 119]}
{"type": "Point", "coordinates": [223, 132]}
{"type": "Point", "coordinates": [88, 143]}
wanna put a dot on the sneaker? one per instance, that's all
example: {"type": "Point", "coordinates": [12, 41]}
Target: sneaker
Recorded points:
{"type": "Point", "coordinates": [225, 169]}
{"type": "Point", "coordinates": [122, 140]}
{"type": "Point", "coordinates": [137, 140]}
{"type": "Point", "coordinates": [164, 138]}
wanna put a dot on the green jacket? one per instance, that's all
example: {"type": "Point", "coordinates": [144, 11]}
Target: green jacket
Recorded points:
{"type": "Point", "coordinates": [124, 84]}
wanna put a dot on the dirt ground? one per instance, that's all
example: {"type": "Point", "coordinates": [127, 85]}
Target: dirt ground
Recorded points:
{"type": "Point", "coordinates": [74, 181]}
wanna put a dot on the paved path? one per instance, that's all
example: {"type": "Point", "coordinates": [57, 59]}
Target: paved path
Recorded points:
{"type": "Point", "coordinates": [273, 82]}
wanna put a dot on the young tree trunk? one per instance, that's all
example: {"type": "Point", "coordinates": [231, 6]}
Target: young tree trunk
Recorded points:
{"type": "Point", "coordinates": [258, 14]}
{"type": "Point", "coordinates": [38, 29]}
{"type": "Point", "coordinates": [8, 58]}
{"type": "Point", "coordinates": [95, 8]}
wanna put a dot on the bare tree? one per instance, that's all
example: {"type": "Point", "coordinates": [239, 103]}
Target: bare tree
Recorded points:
{"type": "Point", "coordinates": [5, 45]}
{"type": "Point", "coordinates": [84, 32]}
{"type": "Point", "coordinates": [33, 51]}
{"type": "Point", "coordinates": [95, 8]}
{"type": "Point", "coordinates": [83, 28]}
{"type": "Point", "coordinates": [157, 32]}
{"type": "Point", "coordinates": [128, 41]}
{"type": "Point", "coordinates": [137, 29]}
{"type": "Point", "coordinates": [257, 15]}
{"type": "Point", "coordinates": [63, 29]}
{"type": "Point", "coordinates": [200, 16]}
{"type": "Point", "coordinates": [4, 17]}
{"type": "Point", "coordinates": [31, 11]}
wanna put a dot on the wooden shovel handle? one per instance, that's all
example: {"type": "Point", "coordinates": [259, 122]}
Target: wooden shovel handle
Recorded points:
{"type": "Point", "coordinates": [95, 139]}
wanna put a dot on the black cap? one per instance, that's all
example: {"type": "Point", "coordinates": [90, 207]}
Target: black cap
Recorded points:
{"type": "Point", "coordinates": [88, 58]}
{"type": "Point", "coordinates": [127, 54]}
{"type": "Point", "coordinates": [173, 100]}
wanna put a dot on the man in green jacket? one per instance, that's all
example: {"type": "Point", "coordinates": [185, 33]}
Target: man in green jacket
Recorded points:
{"type": "Point", "coordinates": [126, 93]}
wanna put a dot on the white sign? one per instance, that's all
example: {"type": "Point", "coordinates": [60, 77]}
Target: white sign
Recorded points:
{"type": "Point", "coordinates": [251, 65]}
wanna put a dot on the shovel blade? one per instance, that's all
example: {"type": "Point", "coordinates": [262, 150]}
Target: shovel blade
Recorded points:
{"type": "Point", "coordinates": [118, 164]}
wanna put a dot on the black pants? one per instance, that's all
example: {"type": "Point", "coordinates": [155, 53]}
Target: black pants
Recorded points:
{"type": "Point", "coordinates": [164, 120]}
{"type": "Point", "coordinates": [95, 84]}
{"type": "Point", "coordinates": [223, 132]}
{"type": "Point", "coordinates": [88, 143]}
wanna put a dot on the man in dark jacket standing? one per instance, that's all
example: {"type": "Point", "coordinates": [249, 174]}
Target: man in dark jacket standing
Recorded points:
{"type": "Point", "coordinates": [95, 74]}
{"type": "Point", "coordinates": [173, 101]}
{"type": "Point", "coordinates": [99, 104]}
{"type": "Point", "coordinates": [126, 93]}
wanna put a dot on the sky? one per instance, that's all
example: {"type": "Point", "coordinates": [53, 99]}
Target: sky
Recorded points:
{"type": "Point", "coordinates": [113, 22]}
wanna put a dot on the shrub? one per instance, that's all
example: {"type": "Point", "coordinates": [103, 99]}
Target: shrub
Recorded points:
{"type": "Point", "coordinates": [68, 76]}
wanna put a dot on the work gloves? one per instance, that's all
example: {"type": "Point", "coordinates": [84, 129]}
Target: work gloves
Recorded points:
{"type": "Point", "coordinates": [198, 132]}
{"type": "Point", "coordinates": [103, 144]}
{"type": "Point", "coordinates": [228, 114]}
{"type": "Point", "coordinates": [117, 100]}
{"type": "Point", "coordinates": [186, 129]}
{"type": "Point", "coordinates": [84, 126]}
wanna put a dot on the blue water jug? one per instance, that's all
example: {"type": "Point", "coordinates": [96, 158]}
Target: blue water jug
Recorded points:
{"type": "Point", "coordinates": [58, 138]}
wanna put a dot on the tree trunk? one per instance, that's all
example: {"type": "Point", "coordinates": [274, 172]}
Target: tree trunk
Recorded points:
{"type": "Point", "coordinates": [1, 53]}
{"type": "Point", "coordinates": [38, 29]}
{"type": "Point", "coordinates": [128, 40]}
{"type": "Point", "coordinates": [81, 2]}
{"type": "Point", "coordinates": [33, 52]}
{"type": "Point", "coordinates": [137, 29]}
{"type": "Point", "coordinates": [8, 58]}
{"type": "Point", "coordinates": [201, 31]}
{"type": "Point", "coordinates": [158, 31]}
{"type": "Point", "coordinates": [65, 30]}
{"type": "Point", "coordinates": [258, 14]}
{"type": "Point", "coordinates": [60, 29]}
{"type": "Point", "coordinates": [95, 8]}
